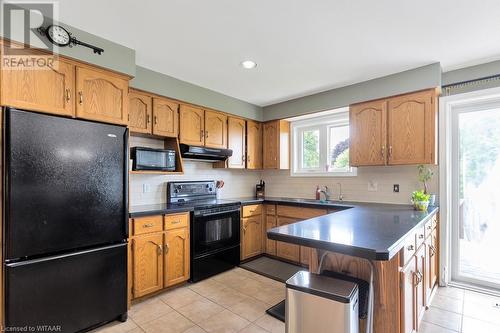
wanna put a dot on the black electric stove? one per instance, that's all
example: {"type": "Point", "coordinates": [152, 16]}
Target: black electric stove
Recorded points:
{"type": "Point", "coordinates": [215, 227]}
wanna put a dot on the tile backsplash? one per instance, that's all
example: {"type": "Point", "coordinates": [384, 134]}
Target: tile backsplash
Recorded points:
{"type": "Point", "coordinates": [372, 184]}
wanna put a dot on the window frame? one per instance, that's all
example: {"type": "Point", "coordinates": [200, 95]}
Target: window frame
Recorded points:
{"type": "Point", "coordinates": [323, 124]}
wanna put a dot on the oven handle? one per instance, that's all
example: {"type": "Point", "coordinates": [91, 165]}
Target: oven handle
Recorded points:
{"type": "Point", "coordinates": [218, 213]}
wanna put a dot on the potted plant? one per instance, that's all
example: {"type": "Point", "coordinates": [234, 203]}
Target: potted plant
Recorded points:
{"type": "Point", "coordinates": [425, 175]}
{"type": "Point", "coordinates": [420, 200]}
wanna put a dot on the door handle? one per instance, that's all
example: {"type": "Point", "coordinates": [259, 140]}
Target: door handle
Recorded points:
{"type": "Point", "coordinates": [68, 95]}
{"type": "Point", "coordinates": [148, 225]}
{"type": "Point", "coordinates": [167, 248]}
{"type": "Point", "coordinates": [80, 95]}
{"type": "Point", "coordinates": [156, 120]}
{"type": "Point", "coordinates": [390, 151]}
{"type": "Point", "coordinates": [159, 250]}
{"type": "Point", "coordinates": [206, 134]}
{"type": "Point", "coordinates": [202, 135]}
{"type": "Point", "coordinates": [147, 119]}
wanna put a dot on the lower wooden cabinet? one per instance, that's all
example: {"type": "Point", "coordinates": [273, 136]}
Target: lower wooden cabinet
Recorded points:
{"type": "Point", "coordinates": [408, 295]}
{"type": "Point", "coordinates": [160, 256]}
{"type": "Point", "coordinates": [252, 227]}
{"type": "Point", "coordinates": [286, 250]}
{"type": "Point", "coordinates": [176, 256]}
{"type": "Point", "coordinates": [270, 244]}
{"type": "Point", "coordinates": [147, 252]}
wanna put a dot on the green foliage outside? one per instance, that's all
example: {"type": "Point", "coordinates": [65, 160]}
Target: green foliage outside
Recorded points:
{"type": "Point", "coordinates": [342, 161]}
{"type": "Point", "coordinates": [310, 141]}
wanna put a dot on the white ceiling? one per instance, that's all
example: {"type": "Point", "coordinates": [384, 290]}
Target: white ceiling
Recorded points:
{"type": "Point", "coordinates": [301, 47]}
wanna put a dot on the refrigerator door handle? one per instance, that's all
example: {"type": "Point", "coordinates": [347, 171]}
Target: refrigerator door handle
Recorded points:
{"type": "Point", "coordinates": [55, 257]}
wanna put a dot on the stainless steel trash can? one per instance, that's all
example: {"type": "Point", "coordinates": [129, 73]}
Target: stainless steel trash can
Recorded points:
{"type": "Point", "coordinates": [321, 304]}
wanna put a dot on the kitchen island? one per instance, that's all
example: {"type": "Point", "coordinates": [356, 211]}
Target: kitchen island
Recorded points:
{"type": "Point", "coordinates": [396, 243]}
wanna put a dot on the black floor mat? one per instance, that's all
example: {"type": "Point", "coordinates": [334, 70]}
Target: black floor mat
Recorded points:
{"type": "Point", "coordinates": [272, 268]}
{"type": "Point", "coordinates": [277, 311]}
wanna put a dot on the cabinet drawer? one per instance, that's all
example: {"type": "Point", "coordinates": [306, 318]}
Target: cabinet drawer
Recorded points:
{"type": "Point", "coordinates": [409, 247]}
{"type": "Point", "coordinates": [420, 236]}
{"type": "Point", "coordinates": [145, 225]}
{"type": "Point", "coordinates": [252, 210]}
{"type": "Point", "coordinates": [270, 209]}
{"type": "Point", "coordinates": [175, 221]}
{"type": "Point", "coordinates": [300, 212]}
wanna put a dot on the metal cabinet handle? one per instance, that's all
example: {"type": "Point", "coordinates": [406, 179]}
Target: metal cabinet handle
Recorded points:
{"type": "Point", "coordinates": [175, 222]}
{"type": "Point", "coordinates": [411, 247]}
{"type": "Point", "coordinates": [159, 250]}
{"type": "Point", "coordinates": [68, 95]}
{"type": "Point", "coordinates": [80, 95]}
{"type": "Point", "coordinates": [414, 279]}
{"type": "Point", "coordinates": [156, 120]}
{"type": "Point", "coordinates": [167, 248]}
{"type": "Point", "coordinates": [421, 236]}
{"type": "Point", "coordinates": [383, 151]}
{"type": "Point", "coordinates": [432, 250]}
{"type": "Point", "coordinates": [248, 158]}
{"type": "Point", "coordinates": [147, 225]}
{"type": "Point", "coordinates": [202, 134]}
{"type": "Point", "coordinates": [390, 151]}
{"type": "Point", "coordinates": [206, 134]}
{"type": "Point", "coordinates": [147, 119]}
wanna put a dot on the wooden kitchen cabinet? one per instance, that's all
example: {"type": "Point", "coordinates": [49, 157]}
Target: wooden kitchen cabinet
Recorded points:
{"type": "Point", "coordinates": [140, 112]}
{"type": "Point", "coordinates": [368, 133]}
{"type": "Point", "coordinates": [165, 117]}
{"type": "Point", "coordinates": [50, 89]}
{"type": "Point", "coordinates": [252, 227]}
{"type": "Point", "coordinates": [284, 250]}
{"type": "Point", "coordinates": [408, 296]}
{"type": "Point", "coordinates": [236, 142]}
{"type": "Point", "coordinates": [177, 267]}
{"type": "Point", "coordinates": [420, 290]}
{"type": "Point", "coordinates": [191, 125]}
{"type": "Point", "coordinates": [411, 128]}
{"type": "Point", "coordinates": [251, 236]}
{"type": "Point", "coordinates": [254, 145]}
{"type": "Point", "coordinates": [147, 251]}
{"type": "Point", "coordinates": [276, 144]}
{"type": "Point", "coordinates": [399, 130]}
{"type": "Point", "coordinates": [215, 129]}
{"type": "Point", "coordinates": [270, 244]}
{"type": "Point", "coordinates": [101, 96]}
{"type": "Point", "coordinates": [160, 252]}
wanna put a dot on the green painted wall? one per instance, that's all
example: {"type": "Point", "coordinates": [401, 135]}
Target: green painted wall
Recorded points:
{"type": "Point", "coordinates": [471, 73]}
{"type": "Point", "coordinates": [415, 79]}
{"type": "Point", "coordinates": [115, 56]}
{"type": "Point", "coordinates": [168, 86]}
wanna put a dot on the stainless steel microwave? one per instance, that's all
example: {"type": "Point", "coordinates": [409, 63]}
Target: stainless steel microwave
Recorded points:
{"type": "Point", "coordinates": [144, 158]}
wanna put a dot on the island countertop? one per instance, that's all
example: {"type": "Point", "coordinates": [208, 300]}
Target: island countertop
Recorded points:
{"type": "Point", "coordinates": [367, 230]}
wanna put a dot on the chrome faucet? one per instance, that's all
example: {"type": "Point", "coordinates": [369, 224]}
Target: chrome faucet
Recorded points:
{"type": "Point", "coordinates": [341, 196]}
{"type": "Point", "coordinates": [325, 192]}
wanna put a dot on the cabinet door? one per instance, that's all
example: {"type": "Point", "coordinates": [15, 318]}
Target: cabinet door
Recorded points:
{"type": "Point", "coordinates": [271, 147]}
{"type": "Point", "coordinates": [420, 298]}
{"type": "Point", "coordinates": [408, 296]}
{"type": "Point", "coordinates": [165, 117]}
{"type": "Point", "coordinates": [368, 133]}
{"type": "Point", "coordinates": [270, 244]}
{"type": "Point", "coordinates": [191, 125]}
{"type": "Point", "coordinates": [236, 142]}
{"type": "Point", "coordinates": [286, 250]}
{"type": "Point", "coordinates": [102, 96]}
{"type": "Point", "coordinates": [251, 230]}
{"type": "Point", "coordinates": [215, 129]}
{"type": "Point", "coordinates": [140, 111]}
{"type": "Point", "coordinates": [176, 256]}
{"type": "Point", "coordinates": [411, 129]}
{"type": "Point", "coordinates": [50, 89]}
{"type": "Point", "coordinates": [433, 259]}
{"type": "Point", "coordinates": [254, 145]}
{"type": "Point", "coordinates": [305, 253]}
{"type": "Point", "coordinates": [148, 264]}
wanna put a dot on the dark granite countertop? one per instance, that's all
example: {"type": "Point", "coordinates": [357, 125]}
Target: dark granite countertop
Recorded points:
{"type": "Point", "coordinates": [368, 230]}
{"type": "Point", "coordinates": [158, 209]}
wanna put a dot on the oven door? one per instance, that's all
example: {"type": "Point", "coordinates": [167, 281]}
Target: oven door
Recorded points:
{"type": "Point", "coordinates": [214, 231]}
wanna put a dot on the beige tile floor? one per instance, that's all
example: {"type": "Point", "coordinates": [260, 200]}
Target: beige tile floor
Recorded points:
{"type": "Point", "coordinates": [458, 310]}
{"type": "Point", "coordinates": [236, 301]}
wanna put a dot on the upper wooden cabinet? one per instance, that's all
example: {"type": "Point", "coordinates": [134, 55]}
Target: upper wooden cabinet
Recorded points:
{"type": "Point", "coordinates": [276, 150]}
{"type": "Point", "coordinates": [236, 142]}
{"type": "Point", "coordinates": [368, 131]}
{"type": "Point", "coordinates": [140, 112]}
{"type": "Point", "coordinates": [254, 145]}
{"type": "Point", "coordinates": [50, 89]}
{"type": "Point", "coordinates": [215, 129]}
{"type": "Point", "coordinates": [395, 131]}
{"type": "Point", "coordinates": [411, 129]}
{"type": "Point", "coordinates": [165, 117]}
{"type": "Point", "coordinates": [191, 125]}
{"type": "Point", "coordinates": [101, 96]}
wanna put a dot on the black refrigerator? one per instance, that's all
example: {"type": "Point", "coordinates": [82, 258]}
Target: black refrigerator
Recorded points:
{"type": "Point", "coordinates": [65, 235]}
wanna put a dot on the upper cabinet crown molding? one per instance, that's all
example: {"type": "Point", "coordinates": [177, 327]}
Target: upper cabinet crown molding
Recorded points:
{"type": "Point", "coordinates": [399, 130]}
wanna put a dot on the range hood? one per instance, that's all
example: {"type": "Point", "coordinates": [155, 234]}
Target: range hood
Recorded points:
{"type": "Point", "coordinates": [204, 153]}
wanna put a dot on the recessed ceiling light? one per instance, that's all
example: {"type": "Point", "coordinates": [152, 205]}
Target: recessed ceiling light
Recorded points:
{"type": "Point", "coordinates": [248, 64]}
